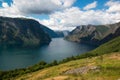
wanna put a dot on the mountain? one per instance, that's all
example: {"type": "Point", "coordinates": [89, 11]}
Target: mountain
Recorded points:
{"type": "Point", "coordinates": [22, 32]}
{"type": "Point", "coordinates": [51, 33]}
{"type": "Point", "coordinates": [103, 63]}
{"type": "Point", "coordinates": [60, 33]}
{"type": "Point", "coordinates": [94, 34]}
{"type": "Point", "coordinates": [111, 46]}
{"type": "Point", "coordinates": [63, 33]}
{"type": "Point", "coordinates": [55, 34]}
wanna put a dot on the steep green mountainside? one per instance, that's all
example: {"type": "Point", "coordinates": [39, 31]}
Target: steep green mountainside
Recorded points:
{"type": "Point", "coordinates": [95, 68]}
{"type": "Point", "coordinates": [22, 32]}
{"type": "Point", "coordinates": [94, 34]}
{"type": "Point", "coordinates": [103, 63]}
{"type": "Point", "coordinates": [109, 47]}
{"type": "Point", "coordinates": [51, 33]}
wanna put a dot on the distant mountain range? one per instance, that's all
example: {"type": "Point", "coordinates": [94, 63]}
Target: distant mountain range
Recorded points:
{"type": "Point", "coordinates": [63, 33]}
{"type": "Point", "coordinates": [51, 33]}
{"type": "Point", "coordinates": [22, 32]}
{"type": "Point", "coordinates": [94, 34]}
{"type": "Point", "coordinates": [30, 33]}
{"type": "Point", "coordinates": [55, 34]}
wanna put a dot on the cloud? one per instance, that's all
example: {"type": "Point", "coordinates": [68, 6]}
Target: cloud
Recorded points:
{"type": "Point", "coordinates": [26, 7]}
{"type": "Point", "coordinates": [114, 6]}
{"type": "Point", "coordinates": [65, 16]}
{"type": "Point", "coordinates": [41, 6]}
{"type": "Point", "coordinates": [9, 11]}
{"type": "Point", "coordinates": [90, 6]}
{"type": "Point", "coordinates": [5, 5]}
{"type": "Point", "coordinates": [72, 17]}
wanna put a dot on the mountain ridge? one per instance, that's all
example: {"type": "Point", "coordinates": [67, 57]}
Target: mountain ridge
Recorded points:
{"type": "Point", "coordinates": [22, 32]}
{"type": "Point", "coordinates": [103, 63]}
{"type": "Point", "coordinates": [94, 34]}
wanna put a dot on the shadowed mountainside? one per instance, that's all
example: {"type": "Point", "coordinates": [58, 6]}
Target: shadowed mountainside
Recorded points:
{"type": "Point", "coordinates": [22, 32]}
{"type": "Point", "coordinates": [94, 34]}
{"type": "Point", "coordinates": [103, 61]}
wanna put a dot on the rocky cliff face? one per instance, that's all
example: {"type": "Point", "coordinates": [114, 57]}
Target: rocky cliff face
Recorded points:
{"type": "Point", "coordinates": [94, 34]}
{"type": "Point", "coordinates": [22, 32]}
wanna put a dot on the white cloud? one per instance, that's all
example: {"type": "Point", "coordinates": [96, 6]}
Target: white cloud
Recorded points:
{"type": "Point", "coordinates": [25, 7]}
{"type": "Point", "coordinates": [114, 6]}
{"type": "Point", "coordinates": [10, 11]}
{"type": "Point", "coordinates": [41, 6]}
{"type": "Point", "coordinates": [90, 6]}
{"type": "Point", "coordinates": [72, 17]}
{"type": "Point", "coordinates": [5, 5]}
{"type": "Point", "coordinates": [65, 17]}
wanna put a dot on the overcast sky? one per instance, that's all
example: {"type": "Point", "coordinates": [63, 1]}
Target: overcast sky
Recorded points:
{"type": "Point", "coordinates": [63, 14]}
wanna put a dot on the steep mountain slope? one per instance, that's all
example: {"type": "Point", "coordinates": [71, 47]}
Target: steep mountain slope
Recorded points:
{"type": "Point", "coordinates": [22, 32]}
{"type": "Point", "coordinates": [84, 69]}
{"type": "Point", "coordinates": [55, 34]}
{"type": "Point", "coordinates": [51, 33]}
{"type": "Point", "coordinates": [109, 47]}
{"type": "Point", "coordinates": [102, 63]}
{"type": "Point", "coordinates": [62, 33]}
{"type": "Point", "coordinates": [94, 34]}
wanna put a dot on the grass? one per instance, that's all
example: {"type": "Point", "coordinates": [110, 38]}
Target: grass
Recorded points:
{"type": "Point", "coordinates": [110, 70]}
{"type": "Point", "coordinates": [109, 63]}
{"type": "Point", "coordinates": [109, 47]}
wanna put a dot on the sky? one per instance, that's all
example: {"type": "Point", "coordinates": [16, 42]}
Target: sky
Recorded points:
{"type": "Point", "coordinates": [63, 14]}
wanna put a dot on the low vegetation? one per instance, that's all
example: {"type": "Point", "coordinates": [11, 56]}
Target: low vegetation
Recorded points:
{"type": "Point", "coordinates": [109, 47]}
{"type": "Point", "coordinates": [108, 69]}
{"type": "Point", "coordinates": [109, 65]}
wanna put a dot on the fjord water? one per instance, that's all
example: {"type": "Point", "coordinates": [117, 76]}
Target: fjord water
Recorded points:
{"type": "Point", "coordinates": [58, 49]}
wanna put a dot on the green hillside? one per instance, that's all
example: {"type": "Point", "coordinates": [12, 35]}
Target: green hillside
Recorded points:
{"type": "Point", "coordinates": [109, 47]}
{"type": "Point", "coordinates": [102, 63]}
{"type": "Point", "coordinates": [93, 68]}
{"type": "Point", "coordinates": [105, 65]}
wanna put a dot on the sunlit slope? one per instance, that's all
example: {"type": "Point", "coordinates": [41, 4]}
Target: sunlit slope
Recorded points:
{"type": "Point", "coordinates": [106, 68]}
{"type": "Point", "coordinates": [102, 63]}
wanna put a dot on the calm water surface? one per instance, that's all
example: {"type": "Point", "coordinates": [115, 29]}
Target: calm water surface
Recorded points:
{"type": "Point", "coordinates": [58, 49]}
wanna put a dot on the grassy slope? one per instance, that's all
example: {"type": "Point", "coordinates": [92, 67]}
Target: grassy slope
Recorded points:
{"type": "Point", "coordinates": [110, 70]}
{"type": "Point", "coordinates": [109, 47]}
{"type": "Point", "coordinates": [108, 57]}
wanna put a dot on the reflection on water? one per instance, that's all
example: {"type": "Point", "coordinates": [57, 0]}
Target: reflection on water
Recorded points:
{"type": "Point", "coordinates": [57, 50]}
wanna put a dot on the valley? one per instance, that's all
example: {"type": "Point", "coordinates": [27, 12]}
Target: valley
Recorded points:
{"type": "Point", "coordinates": [102, 63]}
{"type": "Point", "coordinates": [29, 50]}
{"type": "Point", "coordinates": [59, 39]}
{"type": "Point", "coordinates": [12, 58]}
{"type": "Point", "coordinates": [94, 34]}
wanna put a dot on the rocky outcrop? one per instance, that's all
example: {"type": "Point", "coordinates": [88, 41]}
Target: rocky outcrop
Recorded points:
{"type": "Point", "coordinates": [83, 70]}
{"type": "Point", "coordinates": [94, 34]}
{"type": "Point", "coordinates": [22, 32]}
{"type": "Point", "coordinates": [111, 35]}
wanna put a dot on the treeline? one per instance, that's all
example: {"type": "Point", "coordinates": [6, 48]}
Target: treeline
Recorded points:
{"type": "Point", "coordinates": [109, 47]}
{"type": "Point", "coordinates": [10, 75]}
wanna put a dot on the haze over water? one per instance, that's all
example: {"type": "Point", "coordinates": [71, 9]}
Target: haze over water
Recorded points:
{"type": "Point", "coordinates": [58, 49]}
